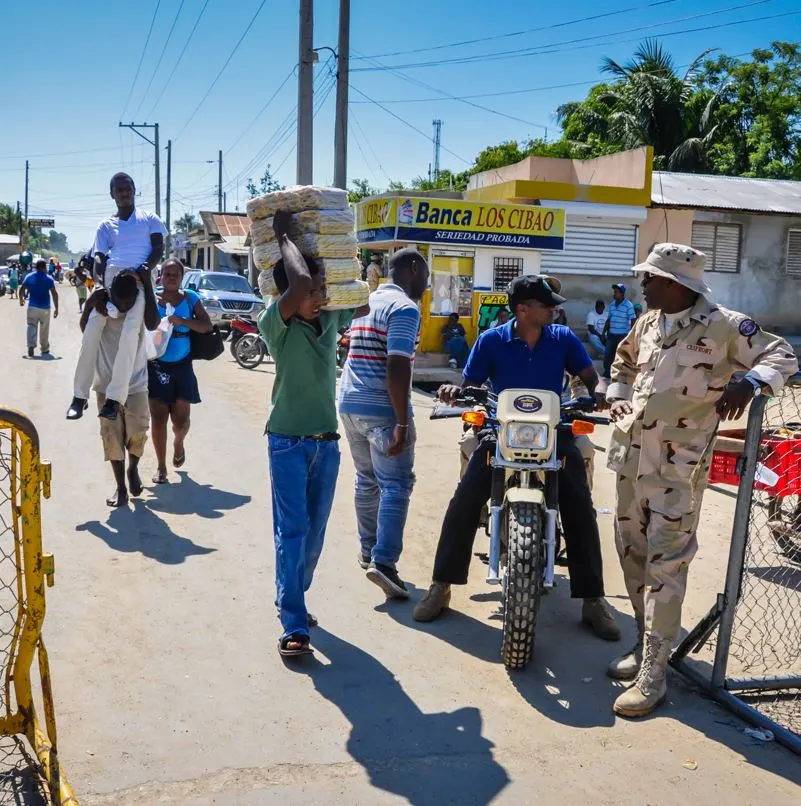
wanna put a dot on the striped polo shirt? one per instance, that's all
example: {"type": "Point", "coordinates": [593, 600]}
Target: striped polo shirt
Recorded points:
{"type": "Point", "coordinates": [391, 328]}
{"type": "Point", "coordinates": [621, 315]}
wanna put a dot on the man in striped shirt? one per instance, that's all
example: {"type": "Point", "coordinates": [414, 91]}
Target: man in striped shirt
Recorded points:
{"type": "Point", "coordinates": [621, 318]}
{"type": "Point", "coordinates": [377, 416]}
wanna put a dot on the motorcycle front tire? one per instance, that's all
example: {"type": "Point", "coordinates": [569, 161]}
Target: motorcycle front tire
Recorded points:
{"type": "Point", "coordinates": [523, 588]}
{"type": "Point", "coordinates": [249, 351]}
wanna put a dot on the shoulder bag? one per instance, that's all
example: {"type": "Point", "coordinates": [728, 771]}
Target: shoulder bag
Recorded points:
{"type": "Point", "coordinates": [203, 346]}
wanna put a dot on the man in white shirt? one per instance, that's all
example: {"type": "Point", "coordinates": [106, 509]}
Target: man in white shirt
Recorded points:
{"type": "Point", "coordinates": [596, 321]}
{"type": "Point", "coordinates": [134, 240]}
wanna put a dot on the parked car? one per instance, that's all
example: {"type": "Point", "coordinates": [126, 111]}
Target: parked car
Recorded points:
{"type": "Point", "coordinates": [225, 296]}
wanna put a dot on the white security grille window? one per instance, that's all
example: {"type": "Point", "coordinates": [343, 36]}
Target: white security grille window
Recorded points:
{"type": "Point", "coordinates": [504, 270]}
{"type": "Point", "coordinates": [794, 251]}
{"type": "Point", "coordinates": [720, 243]}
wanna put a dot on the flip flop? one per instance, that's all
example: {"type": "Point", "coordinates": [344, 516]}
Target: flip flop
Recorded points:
{"type": "Point", "coordinates": [161, 478]}
{"type": "Point", "coordinates": [303, 647]}
{"type": "Point", "coordinates": [178, 461]}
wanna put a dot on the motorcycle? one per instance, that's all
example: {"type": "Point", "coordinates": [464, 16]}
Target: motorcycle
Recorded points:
{"type": "Point", "coordinates": [524, 501]}
{"type": "Point", "coordinates": [343, 347]}
{"type": "Point", "coordinates": [241, 327]}
{"type": "Point", "coordinates": [250, 350]}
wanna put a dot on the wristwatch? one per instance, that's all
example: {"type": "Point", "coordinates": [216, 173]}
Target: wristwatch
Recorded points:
{"type": "Point", "coordinates": [755, 383]}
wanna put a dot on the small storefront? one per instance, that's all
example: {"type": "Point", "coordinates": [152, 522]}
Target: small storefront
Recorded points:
{"type": "Point", "coordinates": [473, 249]}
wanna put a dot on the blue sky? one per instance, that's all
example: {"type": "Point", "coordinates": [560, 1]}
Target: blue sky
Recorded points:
{"type": "Point", "coordinates": [75, 63]}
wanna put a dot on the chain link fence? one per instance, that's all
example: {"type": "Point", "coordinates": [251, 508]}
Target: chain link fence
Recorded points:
{"type": "Point", "coordinates": [755, 625]}
{"type": "Point", "coordinates": [29, 767]}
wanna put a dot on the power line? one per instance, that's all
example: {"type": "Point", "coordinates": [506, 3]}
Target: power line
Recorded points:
{"type": "Point", "coordinates": [222, 69]}
{"type": "Point", "coordinates": [141, 59]}
{"type": "Point", "coordinates": [368, 144]}
{"type": "Point", "coordinates": [520, 33]}
{"type": "Point", "coordinates": [407, 124]}
{"type": "Point", "coordinates": [161, 56]}
{"type": "Point", "coordinates": [556, 47]}
{"type": "Point", "coordinates": [261, 111]}
{"type": "Point", "coordinates": [178, 61]}
{"type": "Point", "coordinates": [462, 100]}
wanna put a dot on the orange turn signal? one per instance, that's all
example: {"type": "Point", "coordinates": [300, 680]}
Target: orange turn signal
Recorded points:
{"type": "Point", "coordinates": [474, 418]}
{"type": "Point", "coordinates": [580, 427]}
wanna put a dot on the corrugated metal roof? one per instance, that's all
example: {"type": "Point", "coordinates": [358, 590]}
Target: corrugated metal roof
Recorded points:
{"type": "Point", "coordinates": [225, 224]}
{"type": "Point", "coordinates": [233, 245]}
{"type": "Point", "coordinates": [726, 193]}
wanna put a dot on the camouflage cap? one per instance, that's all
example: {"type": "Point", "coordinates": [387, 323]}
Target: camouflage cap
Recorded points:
{"type": "Point", "coordinates": [679, 263]}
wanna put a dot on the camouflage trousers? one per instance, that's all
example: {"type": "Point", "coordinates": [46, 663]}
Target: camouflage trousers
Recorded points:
{"type": "Point", "coordinates": [655, 552]}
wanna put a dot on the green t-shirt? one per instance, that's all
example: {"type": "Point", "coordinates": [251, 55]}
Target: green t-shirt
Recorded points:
{"type": "Point", "coordinates": [304, 391]}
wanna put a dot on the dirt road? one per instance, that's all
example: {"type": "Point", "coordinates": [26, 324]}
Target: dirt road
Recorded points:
{"type": "Point", "coordinates": [162, 632]}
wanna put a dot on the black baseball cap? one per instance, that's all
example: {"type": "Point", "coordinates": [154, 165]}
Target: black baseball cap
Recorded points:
{"type": "Point", "coordinates": [537, 287]}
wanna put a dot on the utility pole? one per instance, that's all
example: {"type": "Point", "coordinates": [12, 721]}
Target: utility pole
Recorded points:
{"type": "Point", "coordinates": [341, 123]}
{"type": "Point", "coordinates": [225, 202]}
{"type": "Point", "coordinates": [305, 171]}
{"type": "Point", "coordinates": [168, 248]}
{"type": "Point", "coordinates": [134, 127]}
{"type": "Point", "coordinates": [437, 139]}
{"type": "Point", "coordinates": [219, 182]}
{"type": "Point", "coordinates": [19, 224]}
{"type": "Point", "coordinates": [26, 191]}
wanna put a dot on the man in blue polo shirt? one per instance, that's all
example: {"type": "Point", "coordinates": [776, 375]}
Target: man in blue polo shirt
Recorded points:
{"type": "Point", "coordinates": [618, 324]}
{"type": "Point", "coordinates": [527, 352]}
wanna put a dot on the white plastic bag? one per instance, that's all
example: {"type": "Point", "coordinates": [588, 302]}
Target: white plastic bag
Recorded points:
{"type": "Point", "coordinates": [156, 341]}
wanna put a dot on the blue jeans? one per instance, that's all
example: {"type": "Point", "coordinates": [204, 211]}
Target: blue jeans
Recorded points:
{"type": "Point", "coordinates": [383, 484]}
{"type": "Point", "coordinates": [596, 342]}
{"type": "Point", "coordinates": [303, 473]}
{"type": "Point", "coordinates": [458, 349]}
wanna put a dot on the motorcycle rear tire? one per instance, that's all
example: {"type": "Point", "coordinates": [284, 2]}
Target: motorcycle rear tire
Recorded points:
{"type": "Point", "coordinates": [523, 588]}
{"type": "Point", "coordinates": [249, 351]}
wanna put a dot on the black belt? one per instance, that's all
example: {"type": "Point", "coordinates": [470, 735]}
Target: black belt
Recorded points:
{"type": "Point", "coordinates": [328, 436]}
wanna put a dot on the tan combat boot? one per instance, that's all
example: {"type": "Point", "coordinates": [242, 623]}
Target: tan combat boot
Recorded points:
{"type": "Point", "coordinates": [434, 603]}
{"type": "Point", "coordinates": [627, 666]}
{"type": "Point", "coordinates": [650, 687]}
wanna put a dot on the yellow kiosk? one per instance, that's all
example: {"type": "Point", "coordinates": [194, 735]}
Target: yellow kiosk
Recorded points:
{"type": "Point", "coordinates": [474, 250]}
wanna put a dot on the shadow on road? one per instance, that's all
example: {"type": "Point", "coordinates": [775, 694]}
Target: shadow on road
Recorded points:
{"type": "Point", "coordinates": [428, 759]}
{"type": "Point", "coordinates": [565, 681]}
{"type": "Point", "coordinates": [141, 530]}
{"type": "Point", "coordinates": [190, 498]}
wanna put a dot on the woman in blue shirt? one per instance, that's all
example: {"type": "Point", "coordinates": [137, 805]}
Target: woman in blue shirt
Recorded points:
{"type": "Point", "coordinates": [172, 385]}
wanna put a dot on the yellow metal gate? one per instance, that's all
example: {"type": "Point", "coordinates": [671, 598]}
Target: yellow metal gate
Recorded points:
{"type": "Point", "coordinates": [24, 478]}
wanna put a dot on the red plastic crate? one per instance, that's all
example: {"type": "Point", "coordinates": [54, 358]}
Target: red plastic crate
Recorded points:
{"type": "Point", "coordinates": [782, 455]}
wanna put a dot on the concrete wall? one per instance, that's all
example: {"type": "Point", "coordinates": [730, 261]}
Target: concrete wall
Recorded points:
{"type": "Point", "coordinates": [661, 226]}
{"type": "Point", "coordinates": [582, 291]}
{"type": "Point", "coordinates": [762, 288]}
{"type": "Point", "coordinates": [484, 261]}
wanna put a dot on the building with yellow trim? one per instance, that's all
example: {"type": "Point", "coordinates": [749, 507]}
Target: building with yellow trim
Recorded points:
{"type": "Point", "coordinates": [575, 219]}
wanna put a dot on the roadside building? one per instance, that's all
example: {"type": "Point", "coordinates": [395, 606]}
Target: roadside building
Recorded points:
{"type": "Point", "coordinates": [219, 243]}
{"type": "Point", "coordinates": [9, 246]}
{"type": "Point", "coordinates": [750, 230]}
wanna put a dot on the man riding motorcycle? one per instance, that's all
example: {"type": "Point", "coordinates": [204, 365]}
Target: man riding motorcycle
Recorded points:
{"type": "Point", "coordinates": [528, 352]}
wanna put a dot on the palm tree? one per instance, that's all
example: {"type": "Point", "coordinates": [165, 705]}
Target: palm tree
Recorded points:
{"type": "Point", "coordinates": [186, 223]}
{"type": "Point", "coordinates": [650, 106]}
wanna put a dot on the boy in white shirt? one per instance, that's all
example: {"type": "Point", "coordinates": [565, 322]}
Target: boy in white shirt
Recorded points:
{"type": "Point", "coordinates": [133, 240]}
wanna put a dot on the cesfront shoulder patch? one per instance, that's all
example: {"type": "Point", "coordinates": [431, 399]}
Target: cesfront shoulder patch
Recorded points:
{"type": "Point", "coordinates": [748, 327]}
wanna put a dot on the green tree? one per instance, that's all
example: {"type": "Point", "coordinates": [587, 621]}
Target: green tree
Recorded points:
{"type": "Point", "coordinates": [360, 189]}
{"type": "Point", "coordinates": [267, 184]}
{"type": "Point", "coordinates": [759, 114]}
{"type": "Point", "coordinates": [57, 242]}
{"type": "Point", "coordinates": [9, 219]}
{"type": "Point", "coordinates": [186, 223]}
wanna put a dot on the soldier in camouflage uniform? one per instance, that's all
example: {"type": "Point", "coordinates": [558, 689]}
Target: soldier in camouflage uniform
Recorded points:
{"type": "Point", "coordinates": [671, 385]}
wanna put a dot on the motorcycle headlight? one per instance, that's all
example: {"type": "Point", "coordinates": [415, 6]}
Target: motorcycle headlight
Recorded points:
{"type": "Point", "coordinates": [527, 436]}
